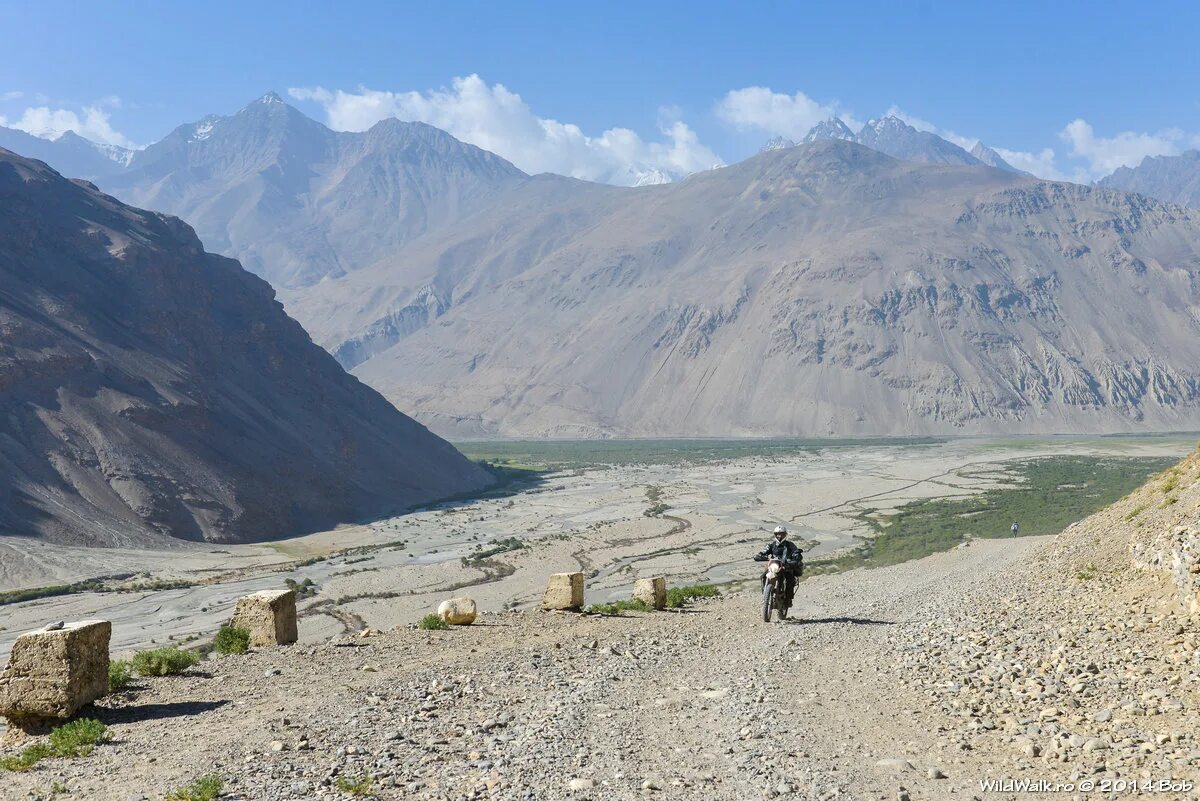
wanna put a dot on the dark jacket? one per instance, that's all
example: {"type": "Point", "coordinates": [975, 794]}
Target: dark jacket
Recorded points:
{"type": "Point", "coordinates": [787, 552]}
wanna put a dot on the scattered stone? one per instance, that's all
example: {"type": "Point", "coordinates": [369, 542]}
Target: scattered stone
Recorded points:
{"type": "Point", "coordinates": [459, 611]}
{"type": "Point", "coordinates": [564, 591]}
{"type": "Point", "coordinates": [53, 673]}
{"type": "Point", "coordinates": [269, 616]}
{"type": "Point", "coordinates": [651, 591]}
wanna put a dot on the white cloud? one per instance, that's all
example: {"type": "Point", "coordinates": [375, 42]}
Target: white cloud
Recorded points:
{"type": "Point", "coordinates": [14, 95]}
{"type": "Point", "coordinates": [757, 108]}
{"type": "Point", "coordinates": [91, 122]}
{"type": "Point", "coordinates": [1127, 149]}
{"type": "Point", "coordinates": [496, 119]}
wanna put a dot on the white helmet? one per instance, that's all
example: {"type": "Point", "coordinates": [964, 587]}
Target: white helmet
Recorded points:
{"type": "Point", "coordinates": [780, 530]}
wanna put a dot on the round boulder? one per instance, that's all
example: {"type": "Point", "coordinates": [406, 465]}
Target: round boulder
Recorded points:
{"type": "Point", "coordinates": [458, 611]}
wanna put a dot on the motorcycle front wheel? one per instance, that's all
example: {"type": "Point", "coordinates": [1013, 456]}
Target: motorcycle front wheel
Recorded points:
{"type": "Point", "coordinates": [768, 601]}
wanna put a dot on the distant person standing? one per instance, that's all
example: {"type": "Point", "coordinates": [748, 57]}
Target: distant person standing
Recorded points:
{"type": "Point", "coordinates": [1015, 528]}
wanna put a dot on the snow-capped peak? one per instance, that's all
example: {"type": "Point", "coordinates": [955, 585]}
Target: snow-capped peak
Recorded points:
{"type": "Point", "coordinates": [270, 98]}
{"type": "Point", "coordinates": [777, 143]}
{"type": "Point", "coordinates": [204, 128]}
{"type": "Point", "coordinates": [832, 128]}
{"type": "Point", "coordinates": [651, 177]}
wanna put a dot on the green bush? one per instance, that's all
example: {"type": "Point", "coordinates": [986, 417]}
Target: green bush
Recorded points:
{"type": "Point", "coordinates": [355, 787]}
{"type": "Point", "coordinates": [75, 739]}
{"type": "Point", "coordinates": [231, 641]}
{"type": "Point", "coordinates": [164, 661]}
{"type": "Point", "coordinates": [28, 757]}
{"type": "Point", "coordinates": [206, 788]}
{"type": "Point", "coordinates": [678, 596]}
{"type": "Point", "coordinates": [616, 607]}
{"type": "Point", "coordinates": [78, 738]}
{"type": "Point", "coordinates": [432, 622]}
{"type": "Point", "coordinates": [120, 675]}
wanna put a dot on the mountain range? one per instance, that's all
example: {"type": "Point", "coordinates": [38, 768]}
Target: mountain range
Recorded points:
{"type": "Point", "coordinates": [884, 282]}
{"type": "Point", "coordinates": [896, 138]}
{"type": "Point", "coordinates": [821, 289]}
{"type": "Point", "coordinates": [1175, 179]}
{"type": "Point", "coordinates": [149, 389]}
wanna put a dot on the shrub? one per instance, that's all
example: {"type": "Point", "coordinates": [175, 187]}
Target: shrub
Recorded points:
{"type": "Point", "coordinates": [28, 757]}
{"type": "Point", "coordinates": [120, 675]}
{"type": "Point", "coordinates": [78, 738]}
{"type": "Point", "coordinates": [206, 788]}
{"type": "Point", "coordinates": [616, 607]}
{"type": "Point", "coordinates": [432, 622]}
{"type": "Point", "coordinates": [75, 739]}
{"type": "Point", "coordinates": [303, 589]}
{"type": "Point", "coordinates": [678, 596]}
{"type": "Point", "coordinates": [230, 640]}
{"type": "Point", "coordinates": [163, 661]}
{"type": "Point", "coordinates": [1134, 512]}
{"type": "Point", "coordinates": [359, 786]}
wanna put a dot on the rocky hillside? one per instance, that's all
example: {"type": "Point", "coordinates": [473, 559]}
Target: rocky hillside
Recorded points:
{"type": "Point", "coordinates": [149, 389]}
{"type": "Point", "coordinates": [1175, 179]}
{"type": "Point", "coordinates": [1084, 662]}
{"type": "Point", "coordinates": [820, 289]}
{"type": "Point", "coordinates": [296, 202]}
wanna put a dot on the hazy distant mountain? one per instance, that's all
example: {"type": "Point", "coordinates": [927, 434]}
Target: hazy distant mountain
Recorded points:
{"type": "Point", "coordinates": [1175, 179]}
{"type": "Point", "coordinates": [822, 289]}
{"type": "Point", "coordinates": [70, 153]}
{"type": "Point", "coordinates": [776, 143]}
{"type": "Point", "coordinates": [829, 129]}
{"type": "Point", "coordinates": [898, 139]}
{"type": "Point", "coordinates": [297, 202]}
{"type": "Point", "coordinates": [993, 159]}
{"type": "Point", "coordinates": [150, 389]}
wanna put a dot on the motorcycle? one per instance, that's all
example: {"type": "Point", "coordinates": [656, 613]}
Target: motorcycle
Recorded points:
{"type": "Point", "coordinates": [775, 590]}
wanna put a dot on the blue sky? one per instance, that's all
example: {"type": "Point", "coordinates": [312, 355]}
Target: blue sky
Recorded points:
{"type": "Point", "coordinates": [1096, 84]}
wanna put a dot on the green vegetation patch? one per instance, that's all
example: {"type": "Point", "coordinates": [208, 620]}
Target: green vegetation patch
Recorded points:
{"type": "Point", "coordinates": [164, 661]}
{"type": "Point", "coordinates": [75, 739]}
{"type": "Point", "coordinates": [617, 607]}
{"type": "Point", "coordinates": [206, 788]}
{"type": "Point", "coordinates": [531, 455]}
{"type": "Point", "coordinates": [357, 786]}
{"type": "Point", "coordinates": [120, 675]}
{"type": "Point", "coordinates": [498, 547]}
{"type": "Point", "coordinates": [230, 640]}
{"type": "Point", "coordinates": [303, 589]}
{"type": "Point", "coordinates": [679, 596]}
{"type": "Point", "coordinates": [1049, 494]}
{"type": "Point", "coordinates": [432, 622]}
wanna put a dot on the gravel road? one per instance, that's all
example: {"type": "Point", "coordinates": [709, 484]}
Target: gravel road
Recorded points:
{"type": "Point", "coordinates": [704, 703]}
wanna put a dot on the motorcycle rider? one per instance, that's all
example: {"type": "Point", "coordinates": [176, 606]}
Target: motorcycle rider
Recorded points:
{"type": "Point", "coordinates": [786, 551]}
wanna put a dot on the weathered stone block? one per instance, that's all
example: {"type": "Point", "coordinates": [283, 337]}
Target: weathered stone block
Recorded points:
{"type": "Point", "coordinates": [564, 591]}
{"type": "Point", "coordinates": [269, 616]}
{"type": "Point", "coordinates": [458, 611]}
{"type": "Point", "coordinates": [51, 674]}
{"type": "Point", "coordinates": [651, 591]}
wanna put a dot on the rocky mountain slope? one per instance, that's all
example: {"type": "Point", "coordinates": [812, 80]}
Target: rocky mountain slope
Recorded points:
{"type": "Point", "coordinates": [993, 159]}
{"type": "Point", "coordinates": [1084, 662]}
{"type": "Point", "coordinates": [296, 202]}
{"type": "Point", "coordinates": [1175, 179]}
{"type": "Point", "coordinates": [150, 390]}
{"type": "Point", "coordinates": [821, 289]}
